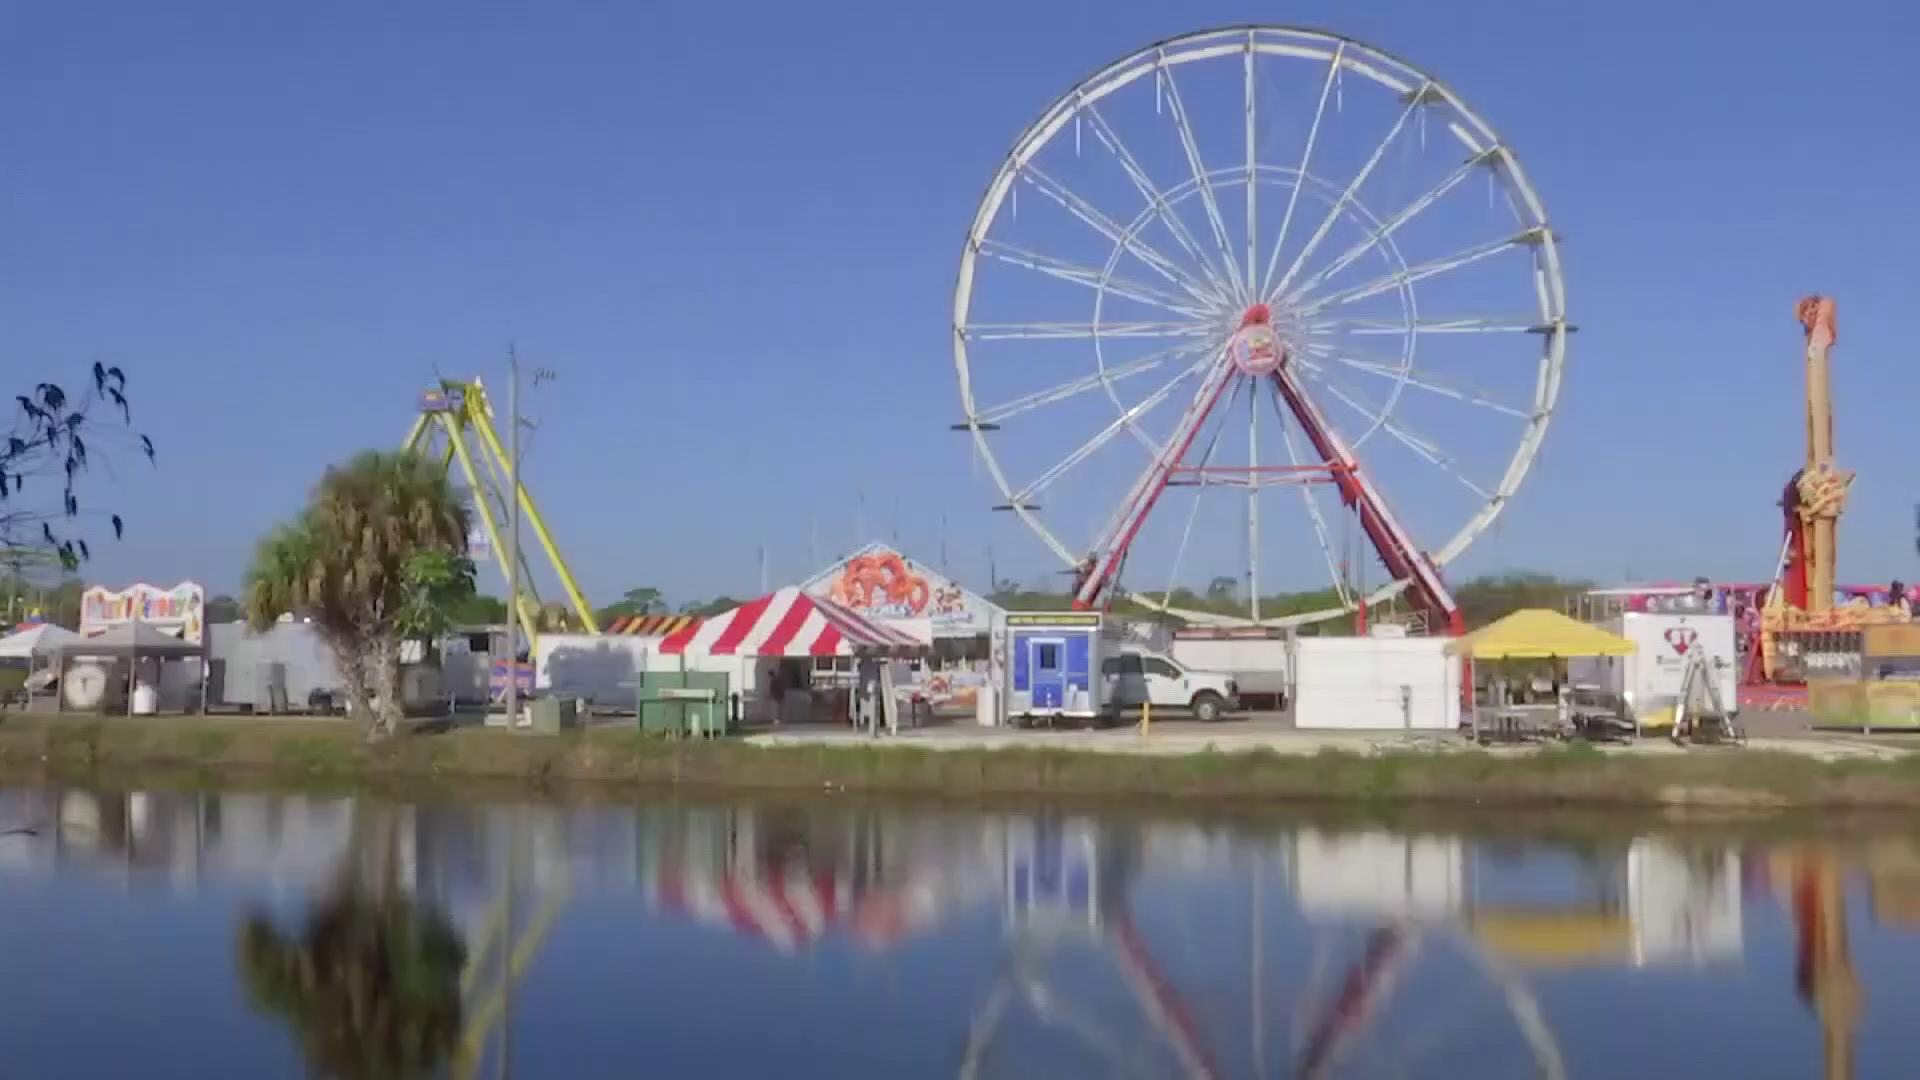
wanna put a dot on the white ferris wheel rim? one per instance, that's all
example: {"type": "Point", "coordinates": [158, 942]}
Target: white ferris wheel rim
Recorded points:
{"type": "Point", "coordinates": [1342, 55]}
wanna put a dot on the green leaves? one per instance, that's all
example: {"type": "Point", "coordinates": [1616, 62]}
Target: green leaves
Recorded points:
{"type": "Point", "coordinates": [381, 540]}
{"type": "Point", "coordinates": [438, 584]}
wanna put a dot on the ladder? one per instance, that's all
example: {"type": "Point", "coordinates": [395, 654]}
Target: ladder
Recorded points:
{"type": "Point", "coordinates": [1713, 724]}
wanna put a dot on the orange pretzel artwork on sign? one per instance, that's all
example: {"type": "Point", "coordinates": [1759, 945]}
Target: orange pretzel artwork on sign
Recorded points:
{"type": "Point", "coordinates": [881, 584]}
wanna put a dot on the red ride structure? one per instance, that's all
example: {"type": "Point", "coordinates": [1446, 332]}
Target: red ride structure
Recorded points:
{"type": "Point", "coordinates": [1256, 353]}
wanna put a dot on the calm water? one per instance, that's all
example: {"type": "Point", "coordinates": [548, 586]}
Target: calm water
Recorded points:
{"type": "Point", "coordinates": [169, 935]}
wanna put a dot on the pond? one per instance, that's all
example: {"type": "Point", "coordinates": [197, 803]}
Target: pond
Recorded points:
{"type": "Point", "coordinates": [167, 934]}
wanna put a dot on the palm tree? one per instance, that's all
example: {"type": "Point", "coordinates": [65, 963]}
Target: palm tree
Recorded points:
{"type": "Point", "coordinates": [372, 560]}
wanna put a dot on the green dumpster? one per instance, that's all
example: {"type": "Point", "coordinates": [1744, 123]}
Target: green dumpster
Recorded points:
{"type": "Point", "coordinates": [684, 703]}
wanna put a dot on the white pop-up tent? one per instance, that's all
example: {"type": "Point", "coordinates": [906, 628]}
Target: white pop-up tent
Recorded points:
{"type": "Point", "coordinates": [38, 642]}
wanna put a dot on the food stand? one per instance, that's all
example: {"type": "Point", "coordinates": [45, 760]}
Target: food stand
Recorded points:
{"type": "Point", "coordinates": [1534, 636]}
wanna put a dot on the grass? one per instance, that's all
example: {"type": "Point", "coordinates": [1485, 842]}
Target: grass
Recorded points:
{"type": "Point", "coordinates": [1571, 795]}
{"type": "Point", "coordinates": [332, 752]}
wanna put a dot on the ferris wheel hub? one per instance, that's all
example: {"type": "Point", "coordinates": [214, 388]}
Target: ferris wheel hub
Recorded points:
{"type": "Point", "coordinates": [1255, 349]}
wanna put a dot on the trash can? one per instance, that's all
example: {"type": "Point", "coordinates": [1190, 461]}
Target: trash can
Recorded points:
{"type": "Point", "coordinates": [552, 715]}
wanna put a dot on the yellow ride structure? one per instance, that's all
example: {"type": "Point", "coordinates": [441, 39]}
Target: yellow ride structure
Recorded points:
{"type": "Point", "coordinates": [456, 423]}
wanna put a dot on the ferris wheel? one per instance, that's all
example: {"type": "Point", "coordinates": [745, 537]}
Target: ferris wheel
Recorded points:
{"type": "Point", "coordinates": [1286, 273]}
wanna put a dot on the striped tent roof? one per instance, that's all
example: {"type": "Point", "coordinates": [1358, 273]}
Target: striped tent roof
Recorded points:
{"type": "Point", "coordinates": [649, 625]}
{"type": "Point", "coordinates": [791, 623]}
{"type": "Point", "coordinates": [792, 907]}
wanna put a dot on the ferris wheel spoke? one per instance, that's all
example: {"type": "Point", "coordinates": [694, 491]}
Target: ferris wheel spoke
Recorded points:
{"type": "Point", "coordinates": [1079, 207]}
{"type": "Point", "coordinates": [1104, 133]}
{"type": "Point", "coordinates": [1120, 1057]}
{"type": "Point", "coordinates": [1201, 174]}
{"type": "Point", "coordinates": [1086, 330]}
{"type": "Point", "coordinates": [1320, 530]}
{"type": "Point", "coordinates": [1121, 423]}
{"type": "Point", "coordinates": [1415, 101]}
{"type": "Point", "coordinates": [1306, 159]}
{"type": "Point", "coordinates": [1423, 447]}
{"type": "Point", "coordinates": [1418, 380]}
{"type": "Point", "coordinates": [1253, 503]}
{"type": "Point", "coordinates": [1092, 277]}
{"type": "Point", "coordinates": [1526, 1011]}
{"type": "Point", "coordinates": [1419, 272]}
{"type": "Point", "coordinates": [1501, 324]}
{"type": "Point", "coordinates": [1081, 385]}
{"type": "Point", "coordinates": [1253, 167]}
{"type": "Point", "coordinates": [1387, 228]}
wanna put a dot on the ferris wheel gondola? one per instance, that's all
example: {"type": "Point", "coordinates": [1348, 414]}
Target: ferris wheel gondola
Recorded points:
{"type": "Point", "coordinates": [1318, 308]}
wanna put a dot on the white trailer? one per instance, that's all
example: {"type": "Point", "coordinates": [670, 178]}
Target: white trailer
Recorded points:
{"type": "Point", "coordinates": [1261, 663]}
{"type": "Point", "coordinates": [1376, 683]}
{"type": "Point", "coordinates": [1649, 681]}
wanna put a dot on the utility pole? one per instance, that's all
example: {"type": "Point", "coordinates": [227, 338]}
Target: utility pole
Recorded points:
{"type": "Point", "coordinates": [514, 423]}
{"type": "Point", "coordinates": [513, 537]}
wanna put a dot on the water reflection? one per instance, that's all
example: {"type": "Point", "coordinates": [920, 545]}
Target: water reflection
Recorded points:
{"type": "Point", "coordinates": [369, 980]}
{"type": "Point", "coordinates": [380, 939]}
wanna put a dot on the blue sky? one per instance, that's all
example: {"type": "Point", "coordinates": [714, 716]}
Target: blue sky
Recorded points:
{"type": "Point", "coordinates": [733, 230]}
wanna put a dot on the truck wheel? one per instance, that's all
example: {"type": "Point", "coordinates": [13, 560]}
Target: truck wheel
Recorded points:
{"type": "Point", "coordinates": [1207, 706]}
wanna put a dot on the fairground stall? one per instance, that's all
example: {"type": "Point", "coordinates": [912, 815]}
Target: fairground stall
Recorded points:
{"type": "Point", "coordinates": [1520, 663]}
{"type": "Point", "coordinates": [886, 587]}
{"type": "Point", "coordinates": [134, 668]}
{"type": "Point", "coordinates": [27, 660]}
{"type": "Point", "coordinates": [771, 651]}
{"type": "Point", "coordinates": [148, 649]}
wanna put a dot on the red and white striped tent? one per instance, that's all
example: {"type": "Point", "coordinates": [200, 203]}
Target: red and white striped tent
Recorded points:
{"type": "Point", "coordinates": [791, 623]}
{"type": "Point", "coordinates": [792, 908]}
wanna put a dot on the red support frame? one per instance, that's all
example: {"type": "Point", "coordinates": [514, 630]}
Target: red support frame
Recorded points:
{"type": "Point", "coordinates": [1392, 543]}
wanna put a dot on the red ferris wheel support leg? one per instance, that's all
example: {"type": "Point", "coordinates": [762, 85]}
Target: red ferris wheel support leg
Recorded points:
{"type": "Point", "coordinates": [1366, 985]}
{"type": "Point", "coordinates": [1392, 543]}
{"type": "Point", "coordinates": [1099, 572]}
{"type": "Point", "coordinates": [1256, 352]}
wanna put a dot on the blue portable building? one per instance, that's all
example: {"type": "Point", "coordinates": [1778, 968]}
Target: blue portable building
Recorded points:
{"type": "Point", "coordinates": [1052, 665]}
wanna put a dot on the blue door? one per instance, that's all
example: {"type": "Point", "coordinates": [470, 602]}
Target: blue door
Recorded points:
{"type": "Point", "coordinates": [1047, 661]}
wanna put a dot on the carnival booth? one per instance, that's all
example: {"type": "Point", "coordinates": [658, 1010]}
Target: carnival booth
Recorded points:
{"type": "Point", "coordinates": [28, 659]}
{"type": "Point", "coordinates": [783, 656]}
{"type": "Point", "coordinates": [133, 667]}
{"type": "Point", "coordinates": [1524, 655]}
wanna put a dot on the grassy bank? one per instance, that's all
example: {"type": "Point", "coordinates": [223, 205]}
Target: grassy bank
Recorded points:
{"type": "Point", "coordinates": [304, 752]}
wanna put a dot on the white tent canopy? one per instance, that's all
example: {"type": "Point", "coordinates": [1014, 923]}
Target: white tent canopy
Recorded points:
{"type": "Point", "coordinates": [36, 642]}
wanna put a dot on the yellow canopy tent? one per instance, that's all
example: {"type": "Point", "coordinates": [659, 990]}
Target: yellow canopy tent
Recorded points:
{"type": "Point", "coordinates": [1552, 939]}
{"type": "Point", "coordinates": [1539, 634]}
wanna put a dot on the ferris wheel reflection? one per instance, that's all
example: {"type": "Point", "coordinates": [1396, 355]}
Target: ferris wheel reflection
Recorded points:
{"type": "Point", "coordinates": [1421, 950]}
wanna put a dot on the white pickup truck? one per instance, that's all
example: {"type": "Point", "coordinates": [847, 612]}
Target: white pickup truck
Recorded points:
{"type": "Point", "coordinates": [1133, 677]}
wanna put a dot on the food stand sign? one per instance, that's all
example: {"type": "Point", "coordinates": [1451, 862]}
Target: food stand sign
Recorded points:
{"type": "Point", "coordinates": [882, 584]}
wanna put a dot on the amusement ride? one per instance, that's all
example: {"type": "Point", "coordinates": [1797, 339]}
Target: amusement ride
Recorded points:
{"type": "Point", "coordinates": [456, 424]}
{"type": "Point", "coordinates": [1328, 272]}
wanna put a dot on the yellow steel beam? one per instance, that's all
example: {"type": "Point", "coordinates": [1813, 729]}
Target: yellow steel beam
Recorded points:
{"type": "Point", "coordinates": [528, 608]}
{"type": "Point", "coordinates": [478, 412]}
{"type": "Point", "coordinates": [482, 1019]}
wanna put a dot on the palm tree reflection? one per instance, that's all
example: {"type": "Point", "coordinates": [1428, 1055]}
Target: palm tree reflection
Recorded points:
{"type": "Point", "coordinates": [369, 978]}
